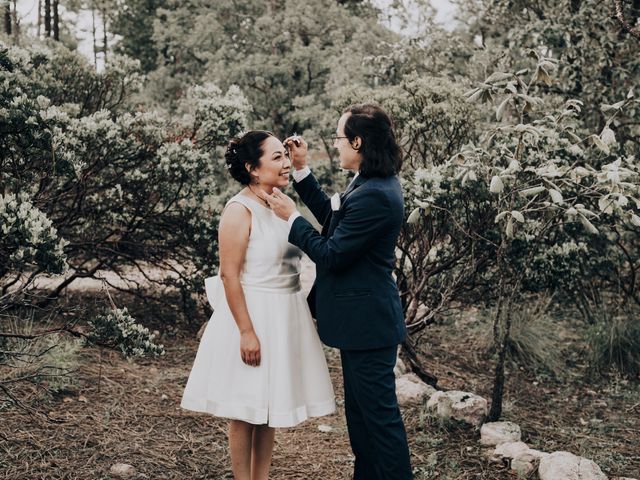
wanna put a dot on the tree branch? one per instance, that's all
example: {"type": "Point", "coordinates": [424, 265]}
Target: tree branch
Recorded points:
{"type": "Point", "coordinates": [623, 21]}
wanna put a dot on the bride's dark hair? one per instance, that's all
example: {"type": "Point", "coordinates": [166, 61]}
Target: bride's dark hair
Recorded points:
{"type": "Point", "coordinates": [245, 150]}
{"type": "Point", "coordinates": [381, 154]}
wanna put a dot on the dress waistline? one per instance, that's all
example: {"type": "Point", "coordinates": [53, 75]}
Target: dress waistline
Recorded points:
{"type": "Point", "coordinates": [281, 284]}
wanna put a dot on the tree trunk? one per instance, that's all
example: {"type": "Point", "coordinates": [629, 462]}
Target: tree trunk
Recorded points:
{"type": "Point", "coordinates": [16, 25]}
{"type": "Point", "coordinates": [47, 18]}
{"type": "Point", "coordinates": [105, 44]}
{"type": "Point", "coordinates": [416, 367]}
{"type": "Point", "coordinates": [7, 18]}
{"type": "Point", "coordinates": [93, 30]}
{"type": "Point", "coordinates": [498, 382]}
{"type": "Point", "coordinates": [56, 22]}
{"type": "Point", "coordinates": [39, 17]}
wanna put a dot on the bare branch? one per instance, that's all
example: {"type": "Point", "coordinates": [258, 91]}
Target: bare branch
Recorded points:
{"type": "Point", "coordinates": [623, 21]}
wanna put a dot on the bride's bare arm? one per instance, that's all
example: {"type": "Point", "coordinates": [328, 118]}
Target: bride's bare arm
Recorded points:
{"type": "Point", "coordinates": [233, 239]}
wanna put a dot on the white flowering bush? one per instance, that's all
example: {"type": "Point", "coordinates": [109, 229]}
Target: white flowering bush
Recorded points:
{"type": "Point", "coordinates": [28, 237]}
{"type": "Point", "coordinates": [117, 329]}
{"type": "Point", "coordinates": [93, 182]}
{"type": "Point", "coordinates": [132, 188]}
{"type": "Point", "coordinates": [543, 181]}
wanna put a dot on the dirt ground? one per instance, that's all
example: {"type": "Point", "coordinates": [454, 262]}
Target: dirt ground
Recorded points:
{"type": "Point", "coordinates": [123, 411]}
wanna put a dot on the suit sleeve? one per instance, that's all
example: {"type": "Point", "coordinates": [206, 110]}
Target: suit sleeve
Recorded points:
{"type": "Point", "coordinates": [365, 217]}
{"type": "Point", "coordinates": [313, 197]}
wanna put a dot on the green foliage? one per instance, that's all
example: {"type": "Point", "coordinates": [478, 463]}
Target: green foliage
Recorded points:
{"type": "Point", "coordinates": [118, 329]}
{"type": "Point", "coordinates": [128, 187]}
{"type": "Point", "coordinates": [88, 183]}
{"type": "Point", "coordinates": [134, 21]}
{"type": "Point", "coordinates": [28, 237]}
{"type": "Point", "coordinates": [280, 54]}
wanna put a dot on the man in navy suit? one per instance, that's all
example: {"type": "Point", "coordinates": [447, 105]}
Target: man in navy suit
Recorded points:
{"type": "Point", "coordinates": [355, 298]}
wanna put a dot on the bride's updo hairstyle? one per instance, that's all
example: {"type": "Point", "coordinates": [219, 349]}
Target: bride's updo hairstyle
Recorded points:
{"type": "Point", "coordinates": [381, 154]}
{"type": "Point", "coordinates": [244, 151]}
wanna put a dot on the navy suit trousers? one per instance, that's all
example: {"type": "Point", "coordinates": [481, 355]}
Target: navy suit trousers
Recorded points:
{"type": "Point", "coordinates": [377, 434]}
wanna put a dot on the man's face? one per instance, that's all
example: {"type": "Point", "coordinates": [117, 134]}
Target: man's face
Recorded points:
{"type": "Point", "coordinates": [350, 158]}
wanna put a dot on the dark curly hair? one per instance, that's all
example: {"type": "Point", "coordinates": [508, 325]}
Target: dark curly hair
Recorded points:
{"type": "Point", "coordinates": [381, 154]}
{"type": "Point", "coordinates": [243, 151]}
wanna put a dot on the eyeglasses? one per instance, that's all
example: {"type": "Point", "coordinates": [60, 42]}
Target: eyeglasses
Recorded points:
{"type": "Point", "coordinates": [335, 137]}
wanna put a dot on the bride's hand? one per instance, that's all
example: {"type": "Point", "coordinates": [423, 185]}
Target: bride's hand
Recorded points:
{"type": "Point", "coordinates": [250, 348]}
{"type": "Point", "coordinates": [297, 148]}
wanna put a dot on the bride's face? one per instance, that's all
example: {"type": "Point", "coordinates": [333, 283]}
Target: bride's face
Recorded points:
{"type": "Point", "coordinates": [275, 165]}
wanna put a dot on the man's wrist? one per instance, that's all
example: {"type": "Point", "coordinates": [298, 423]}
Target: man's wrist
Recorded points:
{"type": "Point", "coordinates": [301, 174]}
{"type": "Point", "coordinates": [293, 217]}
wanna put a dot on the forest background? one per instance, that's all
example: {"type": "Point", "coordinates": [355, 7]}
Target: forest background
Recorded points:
{"type": "Point", "coordinates": [520, 123]}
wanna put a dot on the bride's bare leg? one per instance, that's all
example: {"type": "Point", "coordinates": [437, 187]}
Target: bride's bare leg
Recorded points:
{"type": "Point", "coordinates": [263, 437]}
{"type": "Point", "coordinates": [240, 439]}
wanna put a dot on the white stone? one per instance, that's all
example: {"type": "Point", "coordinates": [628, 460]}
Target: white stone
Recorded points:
{"type": "Point", "coordinates": [526, 462]}
{"type": "Point", "coordinates": [567, 466]}
{"type": "Point", "coordinates": [505, 452]}
{"type": "Point", "coordinates": [122, 470]}
{"type": "Point", "coordinates": [522, 467]}
{"type": "Point", "coordinates": [463, 406]}
{"type": "Point", "coordinates": [410, 389]}
{"type": "Point", "coordinates": [495, 433]}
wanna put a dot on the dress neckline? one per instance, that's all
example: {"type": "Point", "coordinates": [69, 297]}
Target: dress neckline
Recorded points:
{"type": "Point", "coordinates": [255, 201]}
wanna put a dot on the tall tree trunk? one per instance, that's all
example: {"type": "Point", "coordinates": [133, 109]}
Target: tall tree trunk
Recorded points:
{"type": "Point", "coordinates": [93, 31]}
{"type": "Point", "coordinates": [56, 22]}
{"type": "Point", "coordinates": [105, 44]}
{"type": "Point", "coordinates": [39, 17]}
{"type": "Point", "coordinates": [16, 25]}
{"type": "Point", "coordinates": [7, 18]}
{"type": "Point", "coordinates": [47, 18]}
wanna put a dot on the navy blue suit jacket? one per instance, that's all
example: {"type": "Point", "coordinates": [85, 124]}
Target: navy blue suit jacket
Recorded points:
{"type": "Point", "coordinates": [354, 298]}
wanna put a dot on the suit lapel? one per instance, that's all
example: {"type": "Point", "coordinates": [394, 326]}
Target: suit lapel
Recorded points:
{"type": "Point", "coordinates": [333, 219]}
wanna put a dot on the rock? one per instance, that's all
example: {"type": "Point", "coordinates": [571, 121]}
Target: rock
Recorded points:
{"type": "Point", "coordinates": [122, 470]}
{"type": "Point", "coordinates": [201, 331]}
{"type": "Point", "coordinates": [506, 452]}
{"type": "Point", "coordinates": [463, 406]}
{"type": "Point", "coordinates": [521, 467]}
{"type": "Point", "coordinates": [410, 389]}
{"type": "Point", "coordinates": [567, 466]}
{"type": "Point", "coordinates": [495, 433]}
{"type": "Point", "coordinates": [526, 462]}
{"type": "Point", "coordinates": [623, 478]}
{"type": "Point", "coordinates": [517, 456]}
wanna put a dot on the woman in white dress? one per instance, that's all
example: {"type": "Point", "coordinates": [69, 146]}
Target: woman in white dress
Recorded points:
{"type": "Point", "coordinates": [260, 362]}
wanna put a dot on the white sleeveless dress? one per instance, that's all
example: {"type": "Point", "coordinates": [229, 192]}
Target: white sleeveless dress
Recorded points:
{"type": "Point", "coordinates": [292, 382]}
